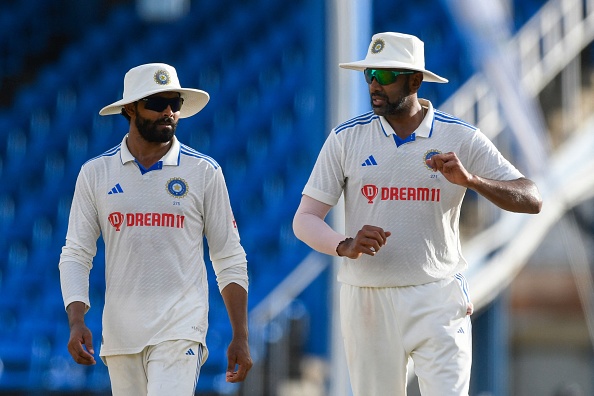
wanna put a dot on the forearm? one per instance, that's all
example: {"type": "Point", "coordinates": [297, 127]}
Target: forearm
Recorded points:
{"type": "Point", "coordinates": [520, 195]}
{"type": "Point", "coordinates": [235, 298]}
{"type": "Point", "coordinates": [316, 233]}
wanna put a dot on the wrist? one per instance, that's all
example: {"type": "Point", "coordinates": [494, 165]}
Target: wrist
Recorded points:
{"type": "Point", "coordinates": [341, 245]}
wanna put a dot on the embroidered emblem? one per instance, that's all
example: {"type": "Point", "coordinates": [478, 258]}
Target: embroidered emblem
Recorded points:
{"type": "Point", "coordinates": [162, 77]}
{"type": "Point", "coordinates": [177, 187]}
{"type": "Point", "coordinates": [428, 155]}
{"type": "Point", "coordinates": [377, 46]}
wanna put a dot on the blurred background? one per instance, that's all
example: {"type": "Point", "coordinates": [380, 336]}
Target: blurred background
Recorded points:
{"type": "Point", "coordinates": [521, 70]}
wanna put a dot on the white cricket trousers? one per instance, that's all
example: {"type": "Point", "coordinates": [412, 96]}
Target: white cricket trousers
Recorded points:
{"type": "Point", "coordinates": [166, 369]}
{"type": "Point", "coordinates": [383, 327]}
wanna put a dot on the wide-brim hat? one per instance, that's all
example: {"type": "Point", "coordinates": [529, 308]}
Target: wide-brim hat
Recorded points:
{"type": "Point", "coordinates": [149, 79]}
{"type": "Point", "coordinates": [395, 51]}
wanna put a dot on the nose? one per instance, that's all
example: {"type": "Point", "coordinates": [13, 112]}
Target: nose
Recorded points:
{"type": "Point", "coordinates": [168, 110]}
{"type": "Point", "coordinates": [374, 85]}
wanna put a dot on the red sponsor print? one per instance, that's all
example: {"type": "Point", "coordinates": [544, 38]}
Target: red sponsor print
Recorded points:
{"type": "Point", "coordinates": [369, 191]}
{"type": "Point", "coordinates": [116, 219]}
{"type": "Point", "coordinates": [170, 220]}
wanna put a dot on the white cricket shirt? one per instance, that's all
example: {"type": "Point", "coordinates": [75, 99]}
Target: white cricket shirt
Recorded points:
{"type": "Point", "coordinates": [153, 223]}
{"type": "Point", "coordinates": [386, 183]}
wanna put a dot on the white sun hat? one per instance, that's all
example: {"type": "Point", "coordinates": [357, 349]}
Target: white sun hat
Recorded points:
{"type": "Point", "coordinates": [395, 51]}
{"type": "Point", "coordinates": [145, 80]}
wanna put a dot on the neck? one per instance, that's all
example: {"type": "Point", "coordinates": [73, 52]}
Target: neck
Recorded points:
{"type": "Point", "coordinates": [146, 153]}
{"type": "Point", "coordinates": [404, 126]}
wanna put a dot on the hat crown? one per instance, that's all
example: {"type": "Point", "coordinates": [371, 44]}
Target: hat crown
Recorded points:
{"type": "Point", "coordinates": [143, 80]}
{"type": "Point", "coordinates": [391, 50]}
{"type": "Point", "coordinates": [397, 47]}
{"type": "Point", "coordinates": [152, 78]}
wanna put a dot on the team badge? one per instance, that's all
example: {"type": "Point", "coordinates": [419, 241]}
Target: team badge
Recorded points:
{"type": "Point", "coordinates": [377, 46]}
{"type": "Point", "coordinates": [162, 77]}
{"type": "Point", "coordinates": [177, 187]}
{"type": "Point", "coordinates": [428, 155]}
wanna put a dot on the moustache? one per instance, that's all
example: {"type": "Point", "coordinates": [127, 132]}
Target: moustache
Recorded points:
{"type": "Point", "coordinates": [167, 121]}
{"type": "Point", "coordinates": [379, 96]}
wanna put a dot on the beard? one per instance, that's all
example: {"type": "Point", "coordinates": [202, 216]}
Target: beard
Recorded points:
{"type": "Point", "coordinates": [399, 107]}
{"type": "Point", "coordinates": [156, 131]}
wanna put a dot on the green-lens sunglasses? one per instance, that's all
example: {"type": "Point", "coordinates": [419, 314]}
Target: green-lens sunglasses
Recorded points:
{"type": "Point", "coordinates": [382, 76]}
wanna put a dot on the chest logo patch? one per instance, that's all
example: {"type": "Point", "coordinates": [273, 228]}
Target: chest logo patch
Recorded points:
{"type": "Point", "coordinates": [428, 155]}
{"type": "Point", "coordinates": [369, 191]}
{"type": "Point", "coordinates": [177, 187]}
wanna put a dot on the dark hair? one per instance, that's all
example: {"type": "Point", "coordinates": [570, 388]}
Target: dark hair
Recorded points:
{"type": "Point", "coordinates": [125, 114]}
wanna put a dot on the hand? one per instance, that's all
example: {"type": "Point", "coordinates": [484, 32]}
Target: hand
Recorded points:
{"type": "Point", "coordinates": [368, 240]}
{"type": "Point", "coordinates": [239, 361]}
{"type": "Point", "coordinates": [450, 166]}
{"type": "Point", "coordinates": [469, 308]}
{"type": "Point", "coordinates": [80, 344]}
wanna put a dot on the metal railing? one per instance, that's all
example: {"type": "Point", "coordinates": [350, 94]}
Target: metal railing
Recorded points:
{"type": "Point", "coordinates": [546, 44]}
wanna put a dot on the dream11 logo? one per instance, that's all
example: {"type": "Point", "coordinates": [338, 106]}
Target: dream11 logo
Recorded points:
{"type": "Point", "coordinates": [370, 191]}
{"type": "Point", "coordinates": [116, 219]}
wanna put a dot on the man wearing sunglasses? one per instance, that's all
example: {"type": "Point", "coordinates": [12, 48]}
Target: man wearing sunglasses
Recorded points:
{"type": "Point", "coordinates": [404, 168]}
{"type": "Point", "coordinates": [153, 200]}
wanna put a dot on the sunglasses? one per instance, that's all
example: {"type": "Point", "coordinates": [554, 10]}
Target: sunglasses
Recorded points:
{"type": "Point", "coordinates": [158, 103]}
{"type": "Point", "coordinates": [383, 77]}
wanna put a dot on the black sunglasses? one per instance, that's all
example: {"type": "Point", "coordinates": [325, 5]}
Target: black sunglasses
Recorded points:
{"type": "Point", "coordinates": [158, 103]}
{"type": "Point", "coordinates": [382, 76]}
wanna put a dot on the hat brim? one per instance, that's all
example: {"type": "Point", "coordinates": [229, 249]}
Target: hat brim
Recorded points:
{"type": "Point", "coordinates": [194, 101]}
{"type": "Point", "coordinates": [362, 65]}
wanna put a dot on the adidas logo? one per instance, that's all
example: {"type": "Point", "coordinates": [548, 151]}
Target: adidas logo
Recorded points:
{"type": "Point", "coordinates": [116, 189]}
{"type": "Point", "coordinates": [369, 161]}
{"type": "Point", "coordinates": [460, 330]}
{"type": "Point", "coordinates": [190, 352]}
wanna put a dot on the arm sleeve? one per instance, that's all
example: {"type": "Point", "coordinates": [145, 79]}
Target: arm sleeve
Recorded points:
{"type": "Point", "coordinates": [234, 274]}
{"type": "Point", "coordinates": [486, 161]}
{"type": "Point", "coordinates": [76, 259]}
{"type": "Point", "coordinates": [221, 230]}
{"type": "Point", "coordinates": [74, 281]}
{"type": "Point", "coordinates": [327, 179]}
{"type": "Point", "coordinates": [309, 226]}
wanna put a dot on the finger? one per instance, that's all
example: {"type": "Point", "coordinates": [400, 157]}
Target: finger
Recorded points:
{"type": "Point", "coordinates": [376, 233]}
{"type": "Point", "coordinates": [83, 357]}
{"type": "Point", "coordinates": [88, 340]}
{"type": "Point", "coordinates": [241, 373]}
{"type": "Point", "coordinates": [231, 376]}
{"type": "Point", "coordinates": [373, 244]}
{"type": "Point", "coordinates": [79, 354]}
{"type": "Point", "coordinates": [369, 250]}
{"type": "Point", "coordinates": [87, 360]}
{"type": "Point", "coordinates": [237, 376]}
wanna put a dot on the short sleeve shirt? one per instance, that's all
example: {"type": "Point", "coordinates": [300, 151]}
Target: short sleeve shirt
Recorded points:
{"type": "Point", "coordinates": [387, 183]}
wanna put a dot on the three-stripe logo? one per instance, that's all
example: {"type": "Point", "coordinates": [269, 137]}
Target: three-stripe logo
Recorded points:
{"type": "Point", "coordinates": [117, 189]}
{"type": "Point", "coordinates": [370, 161]}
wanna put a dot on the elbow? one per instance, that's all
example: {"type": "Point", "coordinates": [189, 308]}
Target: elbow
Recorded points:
{"type": "Point", "coordinates": [536, 206]}
{"type": "Point", "coordinates": [536, 201]}
{"type": "Point", "coordinates": [296, 227]}
{"type": "Point", "coordinates": [533, 199]}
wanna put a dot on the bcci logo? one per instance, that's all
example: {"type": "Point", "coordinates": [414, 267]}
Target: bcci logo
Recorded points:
{"type": "Point", "coordinates": [162, 77]}
{"type": "Point", "coordinates": [428, 155]}
{"type": "Point", "coordinates": [177, 187]}
{"type": "Point", "coordinates": [369, 191]}
{"type": "Point", "coordinates": [377, 46]}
